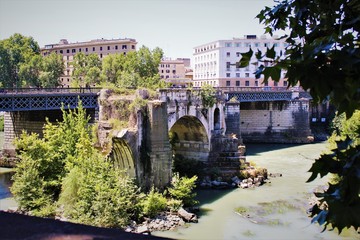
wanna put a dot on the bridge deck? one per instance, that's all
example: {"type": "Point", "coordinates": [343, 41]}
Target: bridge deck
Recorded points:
{"type": "Point", "coordinates": [31, 99]}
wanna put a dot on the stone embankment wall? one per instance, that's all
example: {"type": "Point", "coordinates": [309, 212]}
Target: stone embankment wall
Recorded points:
{"type": "Point", "coordinates": [276, 122]}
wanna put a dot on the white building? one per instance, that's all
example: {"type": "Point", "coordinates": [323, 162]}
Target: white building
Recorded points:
{"type": "Point", "coordinates": [216, 63]}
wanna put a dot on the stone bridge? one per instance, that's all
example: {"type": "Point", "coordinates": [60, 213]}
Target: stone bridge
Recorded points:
{"type": "Point", "coordinates": [210, 134]}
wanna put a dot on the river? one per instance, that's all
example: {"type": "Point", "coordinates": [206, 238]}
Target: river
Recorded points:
{"type": "Point", "coordinates": [218, 219]}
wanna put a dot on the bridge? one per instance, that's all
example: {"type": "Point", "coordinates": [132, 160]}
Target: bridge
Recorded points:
{"type": "Point", "coordinates": [32, 99]}
{"type": "Point", "coordinates": [210, 134]}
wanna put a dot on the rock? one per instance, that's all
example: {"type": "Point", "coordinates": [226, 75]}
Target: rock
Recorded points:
{"type": "Point", "coordinates": [274, 175]}
{"type": "Point", "coordinates": [190, 217]}
{"type": "Point", "coordinates": [243, 185]}
{"type": "Point", "coordinates": [142, 229]}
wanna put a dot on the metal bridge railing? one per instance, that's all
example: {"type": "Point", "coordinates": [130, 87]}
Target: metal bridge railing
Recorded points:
{"type": "Point", "coordinates": [41, 91]}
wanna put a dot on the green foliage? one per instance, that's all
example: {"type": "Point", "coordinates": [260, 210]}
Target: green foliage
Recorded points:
{"type": "Point", "coordinates": [207, 94]}
{"type": "Point", "coordinates": [49, 159]}
{"type": "Point", "coordinates": [182, 189]}
{"type": "Point", "coordinates": [96, 193]}
{"type": "Point", "coordinates": [87, 69]}
{"type": "Point", "coordinates": [1, 123]}
{"type": "Point", "coordinates": [14, 52]}
{"type": "Point", "coordinates": [174, 205]}
{"type": "Point", "coordinates": [343, 161]}
{"type": "Point", "coordinates": [138, 103]}
{"type": "Point", "coordinates": [153, 203]}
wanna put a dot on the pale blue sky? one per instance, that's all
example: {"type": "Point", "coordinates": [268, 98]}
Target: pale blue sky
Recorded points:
{"type": "Point", "coordinates": [176, 26]}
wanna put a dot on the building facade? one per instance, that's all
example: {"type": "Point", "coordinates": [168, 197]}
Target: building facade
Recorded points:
{"type": "Point", "coordinates": [216, 63]}
{"type": "Point", "coordinates": [176, 71]}
{"type": "Point", "coordinates": [101, 47]}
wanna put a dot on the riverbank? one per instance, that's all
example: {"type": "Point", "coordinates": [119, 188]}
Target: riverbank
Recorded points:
{"type": "Point", "coordinates": [288, 196]}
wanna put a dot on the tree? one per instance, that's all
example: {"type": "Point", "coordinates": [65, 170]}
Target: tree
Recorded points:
{"type": "Point", "coordinates": [323, 56]}
{"type": "Point", "coordinates": [15, 51]}
{"type": "Point", "coordinates": [52, 68]}
{"type": "Point", "coordinates": [87, 69]}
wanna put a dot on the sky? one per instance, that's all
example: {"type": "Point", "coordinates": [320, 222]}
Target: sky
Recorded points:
{"type": "Point", "coordinates": [176, 26]}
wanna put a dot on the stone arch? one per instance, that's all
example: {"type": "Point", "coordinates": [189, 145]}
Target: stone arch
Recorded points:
{"type": "Point", "coordinates": [122, 156]}
{"type": "Point", "coordinates": [192, 113]}
{"type": "Point", "coordinates": [190, 138]}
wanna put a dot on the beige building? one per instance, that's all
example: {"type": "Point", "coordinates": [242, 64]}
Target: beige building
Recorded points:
{"type": "Point", "coordinates": [102, 47]}
{"type": "Point", "coordinates": [176, 71]}
{"type": "Point", "coordinates": [216, 63]}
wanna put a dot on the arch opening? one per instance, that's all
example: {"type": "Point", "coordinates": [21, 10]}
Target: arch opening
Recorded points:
{"type": "Point", "coordinates": [122, 156]}
{"type": "Point", "coordinates": [190, 145]}
{"type": "Point", "coordinates": [217, 119]}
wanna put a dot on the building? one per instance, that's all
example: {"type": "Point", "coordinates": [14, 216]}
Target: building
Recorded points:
{"type": "Point", "coordinates": [101, 47]}
{"type": "Point", "coordinates": [216, 63]}
{"type": "Point", "coordinates": [178, 71]}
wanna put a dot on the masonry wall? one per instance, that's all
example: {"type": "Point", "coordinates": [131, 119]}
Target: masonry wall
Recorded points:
{"type": "Point", "coordinates": [278, 122]}
{"type": "Point", "coordinates": [14, 124]}
{"type": "Point", "coordinates": [159, 145]}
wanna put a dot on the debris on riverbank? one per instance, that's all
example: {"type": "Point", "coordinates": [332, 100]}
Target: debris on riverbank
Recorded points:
{"type": "Point", "coordinates": [164, 221]}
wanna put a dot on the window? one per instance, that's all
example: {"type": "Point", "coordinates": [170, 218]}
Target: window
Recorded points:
{"type": "Point", "coordinates": [227, 44]}
{"type": "Point", "coordinates": [247, 83]}
{"type": "Point", "coordinates": [100, 48]}
{"type": "Point", "coordinates": [247, 44]}
{"type": "Point", "coordinates": [238, 54]}
{"type": "Point", "coordinates": [275, 84]}
{"type": "Point", "coordinates": [162, 71]}
{"type": "Point", "coordinates": [257, 44]}
{"type": "Point", "coordinates": [228, 75]}
{"type": "Point", "coordinates": [132, 46]}
{"type": "Point", "coordinates": [237, 74]}
{"type": "Point", "coordinates": [174, 71]}
{"type": "Point", "coordinates": [266, 84]}
{"type": "Point", "coordinates": [61, 51]}
{"type": "Point", "coordinates": [67, 51]}
{"type": "Point", "coordinates": [247, 74]}
{"type": "Point", "coordinates": [73, 50]}
{"type": "Point", "coordinates": [237, 44]}
{"type": "Point", "coordinates": [167, 71]}
{"type": "Point", "coordinates": [228, 83]}
{"type": "Point", "coordinates": [86, 49]}
{"type": "Point", "coordinates": [228, 54]}
{"type": "Point", "coordinates": [167, 76]}
{"type": "Point", "coordinates": [162, 76]}
{"type": "Point", "coordinates": [256, 83]}
{"type": "Point", "coordinates": [93, 49]}
{"type": "Point", "coordinates": [276, 44]}
{"type": "Point", "coordinates": [228, 66]}
{"type": "Point", "coordinates": [108, 47]}
{"type": "Point", "coordinates": [237, 83]}
{"type": "Point", "coordinates": [124, 47]}
{"type": "Point", "coordinates": [285, 83]}
{"type": "Point", "coordinates": [116, 47]}
{"type": "Point", "coordinates": [79, 49]}
{"type": "Point", "coordinates": [100, 54]}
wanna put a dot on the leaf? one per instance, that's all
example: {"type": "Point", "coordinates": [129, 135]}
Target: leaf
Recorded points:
{"type": "Point", "coordinates": [245, 58]}
{"type": "Point", "coordinates": [270, 52]}
{"type": "Point", "coordinates": [273, 72]}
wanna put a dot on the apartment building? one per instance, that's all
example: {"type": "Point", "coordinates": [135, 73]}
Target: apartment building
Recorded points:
{"type": "Point", "coordinates": [176, 71]}
{"type": "Point", "coordinates": [101, 47]}
{"type": "Point", "coordinates": [216, 63]}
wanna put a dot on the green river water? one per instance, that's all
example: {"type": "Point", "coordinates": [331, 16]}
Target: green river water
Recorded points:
{"type": "Point", "coordinates": [218, 218]}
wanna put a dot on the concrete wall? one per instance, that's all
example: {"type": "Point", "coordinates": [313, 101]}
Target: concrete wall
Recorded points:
{"type": "Point", "coordinates": [279, 122]}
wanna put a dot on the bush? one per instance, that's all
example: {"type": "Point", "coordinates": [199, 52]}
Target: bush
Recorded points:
{"type": "Point", "coordinates": [174, 205]}
{"type": "Point", "coordinates": [153, 203]}
{"type": "Point", "coordinates": [1, 123]}
{"type": "Point", "coordinates": [182, 189]}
